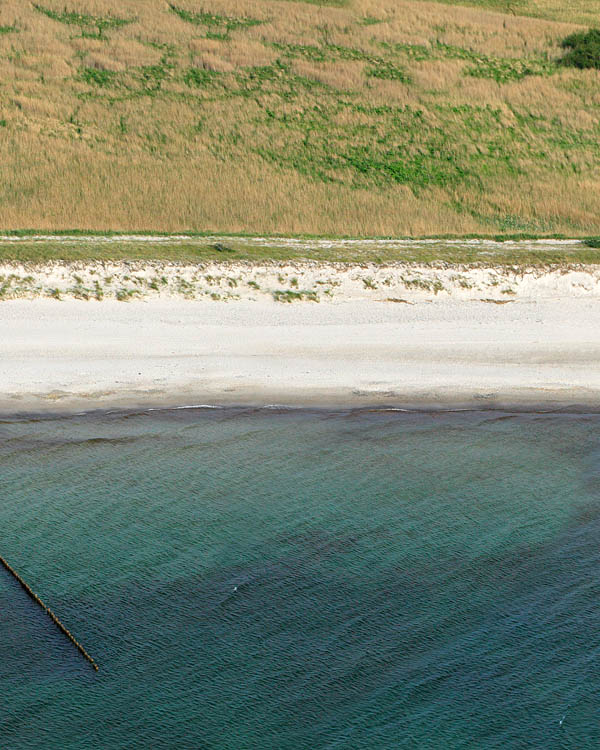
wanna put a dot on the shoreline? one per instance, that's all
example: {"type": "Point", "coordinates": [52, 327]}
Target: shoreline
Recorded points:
{"type": "Point", "coordinates": [437, 353]}
{"type": "Point", "coordinates": [498, 412]}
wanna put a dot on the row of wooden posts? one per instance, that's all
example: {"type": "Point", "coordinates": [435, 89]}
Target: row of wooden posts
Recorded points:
{"type": "Point", "coordinates": [50, 613]}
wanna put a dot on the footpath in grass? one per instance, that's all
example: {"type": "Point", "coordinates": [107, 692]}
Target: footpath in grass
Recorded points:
{"type": "Point", "coordinates": [514, 251]}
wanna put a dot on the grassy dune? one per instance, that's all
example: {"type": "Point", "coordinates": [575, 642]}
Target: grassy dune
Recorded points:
{"type": "Point", "coordinates": [353, 117]}
{"type": "Point", "coordinates": [572, 11]}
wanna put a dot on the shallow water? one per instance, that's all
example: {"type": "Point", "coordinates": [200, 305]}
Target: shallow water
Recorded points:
{"type": "Point", "coordinates": [300, 579]}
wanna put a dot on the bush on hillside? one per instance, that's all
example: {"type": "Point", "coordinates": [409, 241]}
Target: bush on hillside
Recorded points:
{"type": "Point", "coordinates": [584, 49]}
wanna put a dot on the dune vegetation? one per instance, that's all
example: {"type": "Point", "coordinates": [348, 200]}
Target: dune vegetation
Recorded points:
{"type": "Point", "coordinates": [573, 11]}
{"type": "Point", "coordinates": [346, 117]}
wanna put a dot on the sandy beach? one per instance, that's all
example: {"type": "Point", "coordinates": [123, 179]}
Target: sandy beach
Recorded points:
{"type": "Point", "coordinates": [432, 351]}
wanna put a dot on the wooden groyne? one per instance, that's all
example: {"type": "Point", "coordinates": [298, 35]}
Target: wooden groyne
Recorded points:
{"type": "Point", "coordinates": [50, 614]}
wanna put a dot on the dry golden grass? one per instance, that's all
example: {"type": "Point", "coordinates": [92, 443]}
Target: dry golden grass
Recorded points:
{"type": "Point", "coordinates": [382, 117]}
{"type": "Point", "coordinates": [572, 11]}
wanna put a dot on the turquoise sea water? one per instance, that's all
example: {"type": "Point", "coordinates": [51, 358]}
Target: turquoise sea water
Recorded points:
{"type": "Point", "coordinates": [302, 579]}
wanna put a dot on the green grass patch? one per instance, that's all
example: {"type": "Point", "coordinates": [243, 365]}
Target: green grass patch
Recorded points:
{"type": "Point", "coordinates": [200, 77]}
{"type": "Point", "coordinates": [217, 26]}
{"type": "Point", "coordinates": [91, 26]}
{"type": "Point", "coordinates": [9, 29]}
{"type": "Point", "coordinates": [145, 80]}
{"type": "Point", "coordinates": [417, 52]}
{"type": "Point", "coordinates": [151, 77]}
{"type": "Point", "coordinates": [96, 77]}
{"type": "Point", "coordinates": [500, 69]}
{"type": "Point", "coordinates": [311, 52]}
{"type": "Point", "coordinates": [396, 146]}
{"type": "Point", "coordinates": [437, 167]}
{"type": "Point", "coordinates": [388, 72]}
{"type": "Point", "coordinates": [482, 66]}
{"type": "Point", "coordinates": [504, 70]}
{"type": "Point", "coordinates": [328, 52]}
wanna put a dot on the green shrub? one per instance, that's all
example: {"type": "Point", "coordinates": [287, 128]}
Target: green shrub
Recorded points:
{"type": "Point", "coordinates": [584, 49]}
{"type": "Point", "coordinates": [592, 242]}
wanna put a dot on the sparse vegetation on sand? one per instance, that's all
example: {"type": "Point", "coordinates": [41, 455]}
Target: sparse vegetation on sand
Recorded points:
{"type": "Point", "coordinates": [293, 282]}
{"type": "Point", "coordinates": [347, 117]}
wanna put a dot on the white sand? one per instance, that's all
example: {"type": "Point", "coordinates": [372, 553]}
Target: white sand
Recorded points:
{"type": "Point", "coordinates": [542, 349]}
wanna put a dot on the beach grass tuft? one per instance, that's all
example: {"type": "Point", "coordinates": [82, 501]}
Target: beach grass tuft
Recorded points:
{"type": "Point", "coordinates": [292, 295]}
